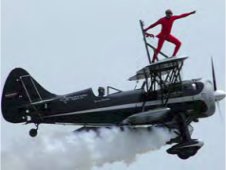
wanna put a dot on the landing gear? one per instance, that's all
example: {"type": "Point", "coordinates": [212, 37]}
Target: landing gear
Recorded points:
{"type": "Point", "coordinates": [188, 153]}
{"type": "Point", "coordinates": [183, 155]}
{"type": "Point", "coordinates": [33, 132]}
{"type": "Point", "coordinates": [187, 147]}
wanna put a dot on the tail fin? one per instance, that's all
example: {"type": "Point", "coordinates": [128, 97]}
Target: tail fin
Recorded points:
{"type": "Point", "coordinates": [21, 89]}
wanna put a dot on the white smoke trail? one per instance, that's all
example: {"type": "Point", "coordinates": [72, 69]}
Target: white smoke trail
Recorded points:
{"type": "Point", "coordinates": [84, 150]}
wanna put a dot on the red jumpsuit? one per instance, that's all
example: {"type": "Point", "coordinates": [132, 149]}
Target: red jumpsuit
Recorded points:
{"type": "Point", "coordinates": [167, 24]}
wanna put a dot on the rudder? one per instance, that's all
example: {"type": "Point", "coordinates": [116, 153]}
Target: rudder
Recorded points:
{"type": "Point", "coordinates": [21, 89]}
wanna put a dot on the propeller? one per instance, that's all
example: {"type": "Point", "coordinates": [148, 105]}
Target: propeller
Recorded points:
{"type": "Point", "coordinates": [220, 112]}
{"type": "Point", "coordinates": [213, 75]}
{"type": "Point", "coordinates": [219, 94]}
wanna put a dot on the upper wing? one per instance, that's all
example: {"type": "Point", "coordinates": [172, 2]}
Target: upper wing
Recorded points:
{"type": "Point", "coordinates": [162, 66]}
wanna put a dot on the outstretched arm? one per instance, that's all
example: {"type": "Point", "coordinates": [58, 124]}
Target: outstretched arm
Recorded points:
{"type": "Point", "coordinates": [184, 15]}
{"type": "Point", "coordinates": [152, 25]}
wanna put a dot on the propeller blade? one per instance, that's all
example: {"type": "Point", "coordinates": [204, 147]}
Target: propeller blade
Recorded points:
{"type": "Point", "coordinates": [220, 112]}
{"type": "Point", "coordinates": [213, 76]}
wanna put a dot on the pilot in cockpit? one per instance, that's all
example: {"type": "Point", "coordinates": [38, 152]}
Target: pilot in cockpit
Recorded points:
{"type": "Point", "coordinates": [101, 92]}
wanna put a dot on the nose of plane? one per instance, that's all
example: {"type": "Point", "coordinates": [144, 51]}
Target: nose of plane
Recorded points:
{"type": "Point", "coordinates": [219, 95]}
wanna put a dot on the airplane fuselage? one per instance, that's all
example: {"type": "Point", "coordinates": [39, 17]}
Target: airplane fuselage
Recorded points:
{"type": "Point", "coordinates": [83, 107]}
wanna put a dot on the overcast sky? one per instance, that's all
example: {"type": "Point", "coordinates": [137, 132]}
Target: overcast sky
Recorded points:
{"type": "Point", "coordinates": [72, 45]}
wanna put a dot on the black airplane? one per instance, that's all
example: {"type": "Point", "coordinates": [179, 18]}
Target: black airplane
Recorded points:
{"type": "Point", "coordinates": [164, 99]}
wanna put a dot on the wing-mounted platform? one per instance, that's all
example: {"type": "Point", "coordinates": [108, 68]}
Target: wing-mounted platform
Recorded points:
{"type": "Point", "coordinates": [159, 75]}
{"type": "Point", "coordinates": [148, 45]}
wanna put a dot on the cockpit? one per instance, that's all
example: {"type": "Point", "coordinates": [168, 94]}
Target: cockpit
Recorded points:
{"type": "Point", "coordinates": [110, 90]}
{"type": "Point", "coordinates": [101, 92]}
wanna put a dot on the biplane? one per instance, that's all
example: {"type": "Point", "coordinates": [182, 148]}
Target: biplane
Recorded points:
{"type": "Point", "coordinates": [164, 99]}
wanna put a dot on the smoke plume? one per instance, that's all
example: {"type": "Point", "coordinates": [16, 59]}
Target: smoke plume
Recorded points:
{"type": "Point", "coordinates": [84, 150]}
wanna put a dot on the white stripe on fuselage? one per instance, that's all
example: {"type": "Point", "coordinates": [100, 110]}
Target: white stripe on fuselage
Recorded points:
{"type": "Point", "coordinates": [131, 105]}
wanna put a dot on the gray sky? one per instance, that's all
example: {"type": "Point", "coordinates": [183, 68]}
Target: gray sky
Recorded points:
{"type": "Point", "coordinates": [72, 45]}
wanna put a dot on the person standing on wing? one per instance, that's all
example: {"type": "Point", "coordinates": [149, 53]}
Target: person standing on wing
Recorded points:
{"type": "Point", "coordinates": [167, 23]}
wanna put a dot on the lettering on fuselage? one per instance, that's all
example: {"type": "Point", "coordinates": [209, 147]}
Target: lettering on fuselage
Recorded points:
{"type": "Point", "coordinates": [67, 99]}
{"type": "Point", "coordinates": [101, 100]}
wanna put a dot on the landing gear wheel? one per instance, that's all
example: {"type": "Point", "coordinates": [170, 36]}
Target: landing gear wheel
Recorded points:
{"type": "Point", "coordinates": [193, 151]}
{"type": "Point", "coordinates": [33, 132]}
{"type": "Point", "coordinates": [183, 155]}
{"type": "Point", "coordinates": [187, 154]}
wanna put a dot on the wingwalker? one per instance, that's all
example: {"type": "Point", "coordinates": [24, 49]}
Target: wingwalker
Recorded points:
{"type": "Point", "coordinates": [163, 100]}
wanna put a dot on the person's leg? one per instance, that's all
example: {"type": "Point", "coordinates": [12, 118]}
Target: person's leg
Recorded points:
{"type": "Point", "coordinates": [175, 41]}
{"type": "Point", "coordinates": [159, 47]}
